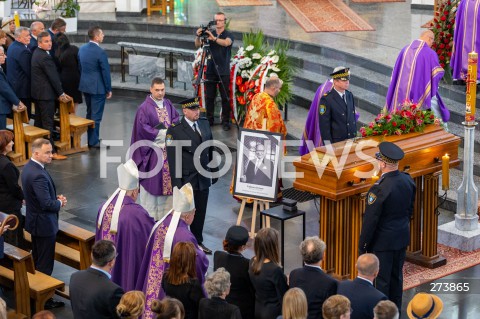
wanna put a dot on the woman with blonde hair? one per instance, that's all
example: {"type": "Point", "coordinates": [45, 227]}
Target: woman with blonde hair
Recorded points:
{"type": "Point", "coordinates": [8, 26]}
{"type": "Point", "coordinates": [294, 305]}
{"type": "Point", "coordinates": [267, 276]}
{"type": "Point", "coordinates": [168, 308]}
{"type": "Point", "coordinates": [180, 280]}
{"type": "Point", "coordinates": [132, 305]}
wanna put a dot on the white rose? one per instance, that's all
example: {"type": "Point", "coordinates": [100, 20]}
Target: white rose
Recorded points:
{"type": "Point", "coordinates": [256, 56]}
{"type": "Point", "coordinates": [271, 52]}
{"type": "Point", "coordinates": [275, 59]}
{"type": "Point", "coordinates": [274, 68]}
{"type": "Point", "coordinates": [249, 48]}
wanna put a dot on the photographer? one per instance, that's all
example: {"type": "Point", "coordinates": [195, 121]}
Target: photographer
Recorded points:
{"type": "Point", "coordinates": [218, 66]}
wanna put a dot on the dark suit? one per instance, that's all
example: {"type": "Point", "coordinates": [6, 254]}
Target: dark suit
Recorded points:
{"type": "Point", "coordinates": [386, 229]}
{"type": "Point", "coordinates": [362, 295]}
{"type": "Point", "coordinates": [217, 308]}
{"type": "Point", "coordinates": [189, 174]}
{"type": "Point", "coordinates": [19, 72]}
{"type": "Point", "coordinates": [94, 295]}
{"type": "Point", "coordinates": [263, 174]}
{"type": "Point", "coordinates": [41, 220]}
{"type": "Point", "coordinates": [7, 100]}
{"type": "Point", "coordinates": [242, 293]}
{"type": "Point", "coordinates": [316, 285]}
{"type": "Point", "coordinates": [95, 83]}
{"type": "Point", "coordinates": [46, 88]}
{"type": "Point", "coordinates": [337, 118]}
{"type": "Point", "coordinates": [33, 45]}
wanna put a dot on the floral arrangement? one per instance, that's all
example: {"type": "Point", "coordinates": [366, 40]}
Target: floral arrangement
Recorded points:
{"type": "Point", "coordinates": [409, 118]}
{"type": "Point", "coordinates": [443, 25]}
{"type": "Point", "coordinates": [250, 68]}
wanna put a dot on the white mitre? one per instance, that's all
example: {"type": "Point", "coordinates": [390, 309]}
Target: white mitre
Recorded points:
{"type": "Point", "coordinates": [127, 180]}
{"type": "Point", "coordinates": [182, 202]}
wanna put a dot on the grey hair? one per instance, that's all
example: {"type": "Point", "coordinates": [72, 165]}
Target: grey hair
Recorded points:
{"type": "Point", "coordinates": [312, 250]}
{"type": "Point", "coordinates": [217, 282]}
{"type": "Point", "coordinates": [19, 30]}
{"type": "Point", "coordinates": [368, 264]}
{"type": "Point", "coordinates": [1, 49]}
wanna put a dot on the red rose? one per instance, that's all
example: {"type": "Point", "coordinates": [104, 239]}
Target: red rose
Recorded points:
{"type": "Point", "coordinates": [403, 127]}
{"type": "Point", "coordinates": [452, 21]}
{"type": "Point", "coordinates": [385, 132]}
{"type": "Point", "coordinates": [394, 124]}
{"type": "Point", "coordinates": [241, 99]}
{"type": "Point", "coordinates": [449, 26]}
{"type": "Point", "coordinates": [375, 132]}
{"type": "Point", "coordinates": [412, 129]}
{"type": "Point", "coordinates": [442, 45]}
{"type": "Point", "coordinates": [242, 88]}
{"type": "Point", "coordinates": [441, 34]}
{"type": "Point", "coordinates": [449, 3]}
{"type": "Point", "coordinates": [364, 134]}
{"type": "Point", "coordinates": [443, 18]}
{"type": "Point", "coordinates": [437, 13]}
{"type": "Point", "coordinates": [250, 95]}
{"type": "Point", "coordinates": [239, 80]}
{"type": "Point", "coordinates": [446, 13]}
{"type": "Point", "coordinates": [446, 41]}
{"type": "Point", "coordinates": [447, 46]}
{"type": "Point", "coordinates": [251, 85]}
{"type": "Point", "coordinates": [432, 116]}
{"type": "Point", "coordinates": [442, 65]}
{"type": "Point", "coordinates": [449, 35]}
{"type": "Point", "coordinates": [442, 58]}
{"type": "Point", "coordinates": [449, 54]}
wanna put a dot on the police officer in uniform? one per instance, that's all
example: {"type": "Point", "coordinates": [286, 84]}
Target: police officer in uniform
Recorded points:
{"type": "Point", "coordinates": [386, 222]}
{"type": "Point", "coordinates": [337, 119]}
{"type": "Point", "coordinates": [194, 130]}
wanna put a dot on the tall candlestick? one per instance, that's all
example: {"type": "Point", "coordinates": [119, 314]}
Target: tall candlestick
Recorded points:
{"type": "Point", "coordinates": [471, 95]}
{"type": "Point", "coordinates": [16, 18]}
{"type": "Point", "coordinates": [445, 172]}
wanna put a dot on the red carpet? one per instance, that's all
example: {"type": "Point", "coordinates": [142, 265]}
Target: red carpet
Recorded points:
{"type": "Point", "coordinates": [324, 15]}
{"type": "Point", "coordinates": [457, 260]}
{"type": "Point", "coordinates": [238, 3]}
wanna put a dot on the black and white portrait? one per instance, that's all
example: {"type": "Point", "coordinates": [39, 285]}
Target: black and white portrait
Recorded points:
{"type": "Point", "coordinates": [257, 164]}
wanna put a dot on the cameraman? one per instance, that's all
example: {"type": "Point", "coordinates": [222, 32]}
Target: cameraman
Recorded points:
{"type": "Point", "coordinates": [221, 42]}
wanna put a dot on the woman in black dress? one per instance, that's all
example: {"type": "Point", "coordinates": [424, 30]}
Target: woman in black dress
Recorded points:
{"type": "Point", "coordinates": [242, 293]}
{"type": "Point", "coordinates": [267, 276]}
{"type": "Point", "coordinates": [11, 194]}
{"type": "Point", "coordinates": [67, 56]}
{"type": "Point", "coordinates": [180, 280]}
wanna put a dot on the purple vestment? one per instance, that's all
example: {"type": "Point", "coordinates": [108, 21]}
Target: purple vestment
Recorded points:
{"type": "Point", "coordinates": [415, 78]}
{"type": "Point", "coordinates": [134, 226]}
{"type": "Point", "coordinates": [466, 37]}
{"type": "Point", "coordinates": [312, 128]}
{"type": "Point", "coordinates": [153, 265]}
{"type": "Point", "coordinates": [146, 119]}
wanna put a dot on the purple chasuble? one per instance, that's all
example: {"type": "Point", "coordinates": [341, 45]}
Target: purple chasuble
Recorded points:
{"type": "Point", "coordinates": [415, 78]}
{"type": "Point", "coordinates": [134, 226]}
{"type": "Point", "coordinates": [466, 37]}
{"type": "Point", "coordinates": [153, 265]}
{"type": "Point", "coordinates": [147, 118]}
{"type": "Point", "coordinates": [312, 128]}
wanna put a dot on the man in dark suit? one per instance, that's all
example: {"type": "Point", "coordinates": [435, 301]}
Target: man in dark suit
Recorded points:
{"type": "Point", "coordinates": [18, 66]}
{"type": "Point", "coordinates": [386, 222]}
{"type": "Point", "coordinates": [337, 110]}
{"type": "Point", "coordinates": [58, 25]}
{"type": "Point", "coordinates": [8, 99]}
{"type": "Point", "coordinates": [361, 292]}
{"type": "Point", "coordinates": [46, 87]}
{"type": "Point", "coordinates": [92, 293]}
{"type": "Point", "coordinates": [316, 284]}
{"type": "Point", "coordinates": [43, 205]}
{"type": "Point", "coordinates": [95, 81]}
{"type": "Point", "coordinates": [189, 168]}
{"type": "Point", "coordinates": [36, 28]}
{"type": "Point", "coordinates": [260, 170]}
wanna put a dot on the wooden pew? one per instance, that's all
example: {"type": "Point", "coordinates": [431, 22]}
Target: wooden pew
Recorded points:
{"type": "Point", "coordinates": [73, 245]}
{"type": "Point", "coordinates": [72, 128]}
{"type": "Point", "coordinates": [18, 272]}
{"type": "Point", "coordinates": [24, 133]}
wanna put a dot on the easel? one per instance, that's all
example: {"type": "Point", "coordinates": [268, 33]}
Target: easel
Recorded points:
{"type": "Point", "coordinates": [261, 204]}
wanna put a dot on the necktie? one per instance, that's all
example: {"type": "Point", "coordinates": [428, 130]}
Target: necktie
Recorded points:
{"type": "Point", "coordinates": [196, 131]}
{"type": "Point", "coordinates": [344, 97]}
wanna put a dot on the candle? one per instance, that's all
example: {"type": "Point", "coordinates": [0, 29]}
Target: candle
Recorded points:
{"type": "Point", "coordinates": [16, 18]}
{"type": "Point", "coordinates": [471, 94]}
{"type": "Point", "coordinates": [445, 172]}
{"type": "Point", "coordinates": [375, 177]}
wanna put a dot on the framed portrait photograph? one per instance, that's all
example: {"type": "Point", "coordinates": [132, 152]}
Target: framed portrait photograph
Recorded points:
{"type": "Point", "coordinates": [258, 158]}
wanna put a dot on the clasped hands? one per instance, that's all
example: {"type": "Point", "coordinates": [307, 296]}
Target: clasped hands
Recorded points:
{"type": "Point", "coordinates": [64, 98]}
{"type": "Point", "coordinates": [62, 199]}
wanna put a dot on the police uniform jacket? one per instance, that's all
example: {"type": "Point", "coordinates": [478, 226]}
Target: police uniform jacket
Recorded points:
{"type": "Point", "coordinates": [337, 118]}
{"type": "Point", "coordinates": [389, 207]}
{"type": "Point", "coordinates": [189, 173]}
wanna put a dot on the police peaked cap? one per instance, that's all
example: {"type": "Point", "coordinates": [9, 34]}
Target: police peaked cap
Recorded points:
{"type": "Point", "coordinates": [389, 153]}
{"type": "Point", "coordinates": [192, 103]}
{"type": "Point", "coordinates": [342, 74]}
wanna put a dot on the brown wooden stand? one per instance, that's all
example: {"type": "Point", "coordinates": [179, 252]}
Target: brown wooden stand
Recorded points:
{"type": "Point", "coordinates": [261, 205]}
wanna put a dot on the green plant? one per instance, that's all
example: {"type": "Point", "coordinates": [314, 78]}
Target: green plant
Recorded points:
{"type": "Point", "coordinates": [69, 8]}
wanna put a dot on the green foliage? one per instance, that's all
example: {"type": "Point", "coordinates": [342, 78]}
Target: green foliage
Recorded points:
{"type": "Point", "coordinates": [69, 8]}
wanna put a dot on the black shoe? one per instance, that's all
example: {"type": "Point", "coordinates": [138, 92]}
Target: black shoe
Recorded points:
{"type": "Point", "coordinates": [52, 303]}
{"type": "Point", "coordinates": [98, 146]}
{"type": "Point", "coordinates": [226, 126]}
{"type": "Point", "coordinates": [205, 249]}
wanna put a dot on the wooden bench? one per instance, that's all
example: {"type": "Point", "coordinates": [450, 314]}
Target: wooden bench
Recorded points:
{"type": "Point", "coordinates": [73, 245]}
{"type": "Point", "coordinates": [17, 271]}
{"type": "Point", "coordinates": [24, 133]}
{"type": "Point", "coordinates": [72, 128]}
{"type": "Point", "coordinates": [160, 5]}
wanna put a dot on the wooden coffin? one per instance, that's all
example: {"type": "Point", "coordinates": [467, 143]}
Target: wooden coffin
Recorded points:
{"type": "Point", "coordinates": [423, 154]}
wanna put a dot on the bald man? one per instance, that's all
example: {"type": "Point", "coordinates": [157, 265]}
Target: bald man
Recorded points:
{"type": "Point", "coordinates": [36, 28]}
{"type": "Point", "coordinates": [416, 76]}
{"type": "Point", "coordinates": [361, 292]}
